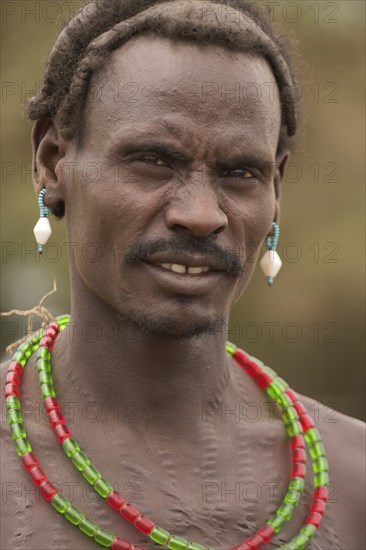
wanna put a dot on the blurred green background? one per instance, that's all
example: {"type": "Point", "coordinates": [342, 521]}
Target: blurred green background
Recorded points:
{"type": "Point", "coordinates": [310, 325]}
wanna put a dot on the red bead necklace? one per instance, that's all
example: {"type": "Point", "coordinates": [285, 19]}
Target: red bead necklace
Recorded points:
{"type": "Point", "coordinates": [299, 426]}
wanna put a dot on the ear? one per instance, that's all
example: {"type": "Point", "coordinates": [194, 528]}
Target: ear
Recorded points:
{"type": "Point", "coordinates": [48, 150]}
{"type": "Point", "coordinates": [280, 167]}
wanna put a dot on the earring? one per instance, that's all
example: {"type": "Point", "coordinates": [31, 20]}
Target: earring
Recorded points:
{"type": "Point", "coordinates": [271, 262]}
{"type": "Point", "coordinates": [42, 230]}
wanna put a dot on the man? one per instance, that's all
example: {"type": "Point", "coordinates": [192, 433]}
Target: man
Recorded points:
{"type": "Point", "coordinates": [156, 179]}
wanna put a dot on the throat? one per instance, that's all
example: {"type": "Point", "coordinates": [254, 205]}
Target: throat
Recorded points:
{"type": "Point", "coordinates": [163, 396]}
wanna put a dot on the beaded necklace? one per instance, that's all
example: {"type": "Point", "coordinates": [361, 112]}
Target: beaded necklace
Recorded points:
{"type": "Point", "coordinates": [299, 427]}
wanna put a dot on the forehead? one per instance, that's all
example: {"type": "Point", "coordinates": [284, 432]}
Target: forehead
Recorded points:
{"type": "Point", "coordinates": [186, 89]}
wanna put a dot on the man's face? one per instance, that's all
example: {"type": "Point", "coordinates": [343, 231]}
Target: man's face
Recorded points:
{"type": "Point", "coordinates": [158, 180]}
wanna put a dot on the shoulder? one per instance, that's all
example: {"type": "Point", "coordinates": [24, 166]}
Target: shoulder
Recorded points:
{"type": "Point", "coordinates": [337, 429]}
{"type": "Point", "coordinates": [8, 472]}
{"type": "Point", "coordinates": [344, 441]}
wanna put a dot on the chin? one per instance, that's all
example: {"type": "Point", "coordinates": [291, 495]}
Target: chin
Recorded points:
{"type": "Point", "coordinates": [173, 327]}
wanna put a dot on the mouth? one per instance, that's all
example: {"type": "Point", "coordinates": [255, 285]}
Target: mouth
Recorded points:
{"type": "Point", "coordinates": [182, 262]}
{"type": "Point", "coordinates": [179, 268]}
{"type": "Point", "coordinates": [184, 279]}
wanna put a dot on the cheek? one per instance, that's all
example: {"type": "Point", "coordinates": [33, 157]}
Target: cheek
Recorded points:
{"type": "Point", "coordinates": [101, 208]}
{"type": "Point", "coordinates": [254, 223]}
{"type": "Point", "coordinates": [104, 218]}
{"type": "Point", "coordinates": [252, 228]}
{"type": "Point", "coordinates": [98, 221]}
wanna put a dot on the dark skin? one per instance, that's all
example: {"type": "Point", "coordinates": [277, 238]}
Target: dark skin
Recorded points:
{"type": "Point", "coordinates": [161, 343]}
{"type": "Point", "coordinates": [178, 200]}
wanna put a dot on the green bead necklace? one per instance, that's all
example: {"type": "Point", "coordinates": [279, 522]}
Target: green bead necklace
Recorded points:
{"type": "Point", "coordinates": [299, 427]}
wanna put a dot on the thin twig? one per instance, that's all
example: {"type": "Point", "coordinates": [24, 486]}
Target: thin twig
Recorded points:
{"type": "Point", "coordinates": [38, 311]}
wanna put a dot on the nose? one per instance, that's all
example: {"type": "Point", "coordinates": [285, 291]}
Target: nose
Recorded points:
{"type": "Point", "coordinates": [195, 207]}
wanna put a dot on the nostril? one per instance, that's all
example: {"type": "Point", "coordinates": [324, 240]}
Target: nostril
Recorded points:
{"type": "Point", "coordinates": [218, 230]}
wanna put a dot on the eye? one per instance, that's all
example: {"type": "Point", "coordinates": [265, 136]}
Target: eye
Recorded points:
{"type": "Point", "coordinates": [152, 159]}
{"type": "Point", "coordinates": [240, 174]}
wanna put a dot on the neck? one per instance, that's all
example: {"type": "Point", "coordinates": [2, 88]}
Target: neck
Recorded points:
{"type": "Point", "coordinates": [112, 369]}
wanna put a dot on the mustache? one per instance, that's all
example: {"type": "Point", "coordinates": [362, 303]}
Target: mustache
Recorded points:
{"type": "Point", "coordinates": [140, 252]}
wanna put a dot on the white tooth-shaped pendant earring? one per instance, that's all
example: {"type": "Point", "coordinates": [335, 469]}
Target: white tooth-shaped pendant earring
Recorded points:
{"type": "Point", "coordinates": [271, 262]}
{"type": "Point", "coordinates": [42, 230]}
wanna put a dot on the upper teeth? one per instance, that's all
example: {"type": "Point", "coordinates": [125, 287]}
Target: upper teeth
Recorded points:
{"type": "Point", "coordinates": [177, 268]}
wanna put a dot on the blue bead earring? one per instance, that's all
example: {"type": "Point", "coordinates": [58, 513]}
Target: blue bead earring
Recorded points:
{"type": "Point", "coordinates": [42, 230]}
{"type": "Point", "coordinates": [271, 262]}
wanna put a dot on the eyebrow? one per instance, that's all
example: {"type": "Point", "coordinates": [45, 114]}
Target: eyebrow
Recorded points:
{"type": "Point", "coordinates": [157, 147]}
{"type": "Point", "coordinates": [244, 159]}
{"type": "Point", "coordinates": [135, 143]}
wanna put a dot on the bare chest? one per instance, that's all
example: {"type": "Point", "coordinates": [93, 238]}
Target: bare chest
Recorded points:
{"type": "Point", "coordinates": [216, 491]}
{"type": "Point", "coordinates": [216, 494]}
